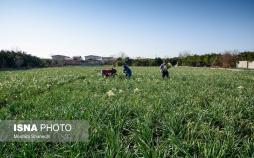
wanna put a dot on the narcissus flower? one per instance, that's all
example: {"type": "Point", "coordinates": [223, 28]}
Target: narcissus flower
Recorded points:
{"type": "Point", "coordinates": [136, 90]}
{"type": "Point", "coordinates": [139, 79]}
{"type": "Point", "coordinates": [240, 87]}
{"type": "Point", "coordinates": [110, 93]}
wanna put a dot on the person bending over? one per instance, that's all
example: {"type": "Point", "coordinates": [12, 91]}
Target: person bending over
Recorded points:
{"type": "Point", "coordinates": [127, 70]}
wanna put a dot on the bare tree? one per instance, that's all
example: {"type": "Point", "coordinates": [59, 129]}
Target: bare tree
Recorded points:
{"type": "Point", "coordinates": [122, 55]}
{"type": "Point", "coordinates": [229, 59]}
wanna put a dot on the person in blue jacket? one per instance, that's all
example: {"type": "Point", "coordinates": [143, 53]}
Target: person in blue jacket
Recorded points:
{"type": "Point", "coordinates": [127, 70]}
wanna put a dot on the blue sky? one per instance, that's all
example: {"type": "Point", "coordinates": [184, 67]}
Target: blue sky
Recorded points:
{"type": "Point", "coordinates": [140, 28]}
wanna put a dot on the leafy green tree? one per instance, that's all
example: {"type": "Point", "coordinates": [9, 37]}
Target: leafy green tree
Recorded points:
{"type": "Point", "coordinates": [158, 61]}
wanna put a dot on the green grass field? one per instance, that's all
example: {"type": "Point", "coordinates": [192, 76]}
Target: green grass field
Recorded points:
{"type": "Point", "coordinates": [198, 112]}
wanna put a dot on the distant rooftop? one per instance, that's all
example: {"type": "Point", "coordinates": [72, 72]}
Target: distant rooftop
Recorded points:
{"type": "Point", "coordinates": [59, 56]}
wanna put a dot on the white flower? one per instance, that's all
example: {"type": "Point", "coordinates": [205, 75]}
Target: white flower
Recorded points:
{"type": "Point", "coordinates": [120, 91]}
{"type": "Point", "coordinates": [139, 79]}
{"type": "Point", "coordinates": [136, 90]}
{"type": "Point", "coordinates": [48, 85]}
{"type": "Point", "coordinates": [110, 93]}
{"type": "Point", "coordinates": [240, 87]}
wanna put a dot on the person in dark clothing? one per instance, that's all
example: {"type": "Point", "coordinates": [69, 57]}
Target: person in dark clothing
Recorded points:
{"type": "Point", "coordinates": [109, 72]}
{"type": "Point", "coordinates": [127, 70]}
{"type": "Point", "coordinates": [164, 70]}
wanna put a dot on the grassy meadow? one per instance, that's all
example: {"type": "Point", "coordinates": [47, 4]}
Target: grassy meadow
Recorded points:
{"type": "Point", "coordinates": [198, 112]}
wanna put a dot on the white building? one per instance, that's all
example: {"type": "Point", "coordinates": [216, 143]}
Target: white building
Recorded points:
{"type": "Point", "coordinates": [108, 60]}
{"type": "Point", "coordinates": [92, 60]}
{"type": "Point", "coordinates": [245, 64]}
{"type": "Point", "coordinates": [93, 57]}
{"type": "Point", "coordinates": [60, 57]}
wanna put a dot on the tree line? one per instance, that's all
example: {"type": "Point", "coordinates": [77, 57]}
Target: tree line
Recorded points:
{"type": "Point", "coordinates": [226, 60]}
{"type": "Point", "coordinates": [20, 59]}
